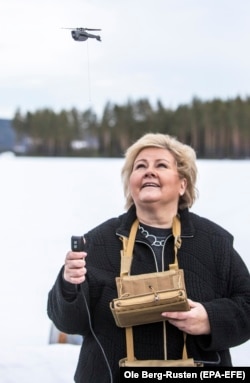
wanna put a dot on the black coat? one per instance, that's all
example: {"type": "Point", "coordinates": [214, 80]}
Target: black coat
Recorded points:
{"type": "Point", "coordinates": [215, 275]}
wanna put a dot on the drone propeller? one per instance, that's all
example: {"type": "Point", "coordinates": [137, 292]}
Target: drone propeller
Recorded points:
{"type": "Point", "coordinates": [90, 29]}
{"type": "Point", "coordinates": [83, 29]}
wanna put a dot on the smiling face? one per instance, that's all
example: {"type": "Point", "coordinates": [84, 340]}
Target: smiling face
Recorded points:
{"type": "Point", "coordinates": [155, 180]}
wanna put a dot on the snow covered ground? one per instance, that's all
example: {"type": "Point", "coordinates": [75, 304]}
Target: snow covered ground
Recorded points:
{"type": "Point", "coordinates": [41, 364]}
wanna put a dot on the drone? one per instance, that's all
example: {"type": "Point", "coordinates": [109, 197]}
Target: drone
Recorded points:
{"type": "Point", "coordinates": [81, 34]}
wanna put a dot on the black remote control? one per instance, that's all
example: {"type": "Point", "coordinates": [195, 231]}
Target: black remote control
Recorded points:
{"type": "Point", "coordinates": [77, 243]}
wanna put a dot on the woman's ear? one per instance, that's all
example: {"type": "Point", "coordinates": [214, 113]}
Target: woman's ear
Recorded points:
{"type": "Point", "coordinates": [183, 186]}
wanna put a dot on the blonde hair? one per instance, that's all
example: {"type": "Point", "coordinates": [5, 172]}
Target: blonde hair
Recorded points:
{"type": "Point", "coordinates": [184, 155]}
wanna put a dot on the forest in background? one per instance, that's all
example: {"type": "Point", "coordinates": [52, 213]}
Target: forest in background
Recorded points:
{"type": "Point", "coordinates": [215, 129]}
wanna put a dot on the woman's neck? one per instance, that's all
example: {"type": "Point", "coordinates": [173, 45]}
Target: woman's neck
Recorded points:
{"type": "Point", "coordinates": [157, 218]}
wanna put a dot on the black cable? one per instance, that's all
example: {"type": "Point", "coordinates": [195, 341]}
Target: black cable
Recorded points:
{"type": "Point", "coordinates": [95, 337]}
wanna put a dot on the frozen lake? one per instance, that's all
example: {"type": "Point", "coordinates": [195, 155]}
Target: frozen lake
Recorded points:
{"type": "Point", "coordinates": [45, 201]}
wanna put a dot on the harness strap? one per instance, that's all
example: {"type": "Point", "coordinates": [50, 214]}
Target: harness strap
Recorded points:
{"type": "Point", "coordinates": [176, 228]}
{"type": "Point", "coordinates": [127, 252]}
{"type": "Point", "coordinates": [126, 260]}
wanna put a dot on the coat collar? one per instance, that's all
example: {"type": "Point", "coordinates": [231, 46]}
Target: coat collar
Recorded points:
{"type": "Point", "coordinates": [127, 219]}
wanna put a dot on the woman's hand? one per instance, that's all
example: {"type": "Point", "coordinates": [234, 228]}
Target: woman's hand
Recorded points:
{"type": "Point", "coordinates": [74, 268]}
{"type": "Point", "coordinates": [194, 322]}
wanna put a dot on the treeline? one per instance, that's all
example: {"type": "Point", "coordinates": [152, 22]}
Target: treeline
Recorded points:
{"type": "Point", "coordinates": [215, 129]}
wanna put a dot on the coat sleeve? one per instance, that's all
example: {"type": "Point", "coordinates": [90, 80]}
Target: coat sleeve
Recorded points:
{"type": "Point", "coordinates": [71, 316]}
{"type": "Point", "coordinates": [229, 314]}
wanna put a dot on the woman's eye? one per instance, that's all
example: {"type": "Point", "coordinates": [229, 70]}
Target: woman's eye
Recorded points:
{"type": "Point", "coordinates": [138, 166]}
{"type": "Point", "coordinates": [162, 165]}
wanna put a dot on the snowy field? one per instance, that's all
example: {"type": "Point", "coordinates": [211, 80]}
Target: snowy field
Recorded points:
{"type": "Point", "coordinates": [40, 364]}
{"type": "Point", "coordinates": [45, 201]}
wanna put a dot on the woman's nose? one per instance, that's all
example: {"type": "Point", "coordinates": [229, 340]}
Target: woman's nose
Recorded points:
{"type": "Point", "coordinates": [150, 172]}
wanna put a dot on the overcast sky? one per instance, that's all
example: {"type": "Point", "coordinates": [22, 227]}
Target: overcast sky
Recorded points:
{"type": "Point", "coordinates": [171, 50]}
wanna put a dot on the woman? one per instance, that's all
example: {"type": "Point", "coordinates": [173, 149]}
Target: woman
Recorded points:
{"type": "Point", "coordinates": [159, 176]}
